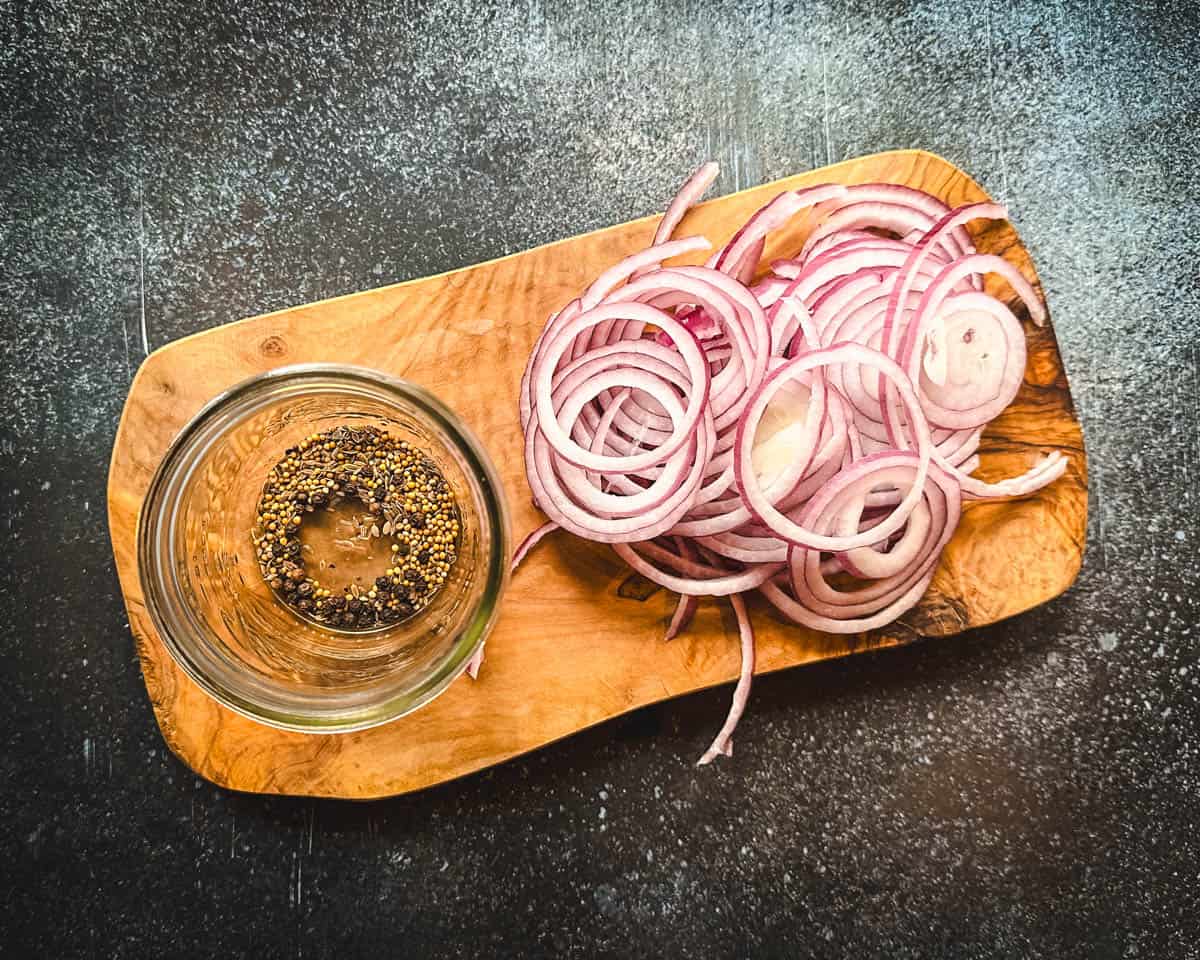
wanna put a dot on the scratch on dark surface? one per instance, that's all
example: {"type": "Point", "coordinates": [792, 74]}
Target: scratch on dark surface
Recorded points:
{"type": "Point", "coordinates": [296, 887]}
{"type": "Point", "coordinates": [1101, 507]}
{"type": "Point", "coordinates": [125, 337]}
{"type": "Point", "coordinates": [142, 268]}
{"type": "Point", "coordinates": [1195, 419]}
{"type": "Point", "coordinates": [825, 102]}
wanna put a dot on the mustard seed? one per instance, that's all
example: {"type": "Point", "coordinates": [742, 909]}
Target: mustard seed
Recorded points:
{"type": "Point", "coordinates": [406, 499]}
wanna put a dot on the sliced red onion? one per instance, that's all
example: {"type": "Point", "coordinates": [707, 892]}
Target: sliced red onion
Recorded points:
{"type": "Point", "coordinates": [746, 244]}
{"type": "Point", "coordinates": [902, 196]}
{"type": "Point", "coordinates": [892, 217]}
{"type": "Point", "coordinates": [811, 437]}
{"type": "Point", "coordinates": [710, 582]}
{"type": "Point", "coordinates": [530, 542]}
{"type": "Point", "coordinates": [685, 610]}
{"type": "Point", "coordinates": [685, 607]}
{"type": "Point", "coordinates": [723, 744]}
{"type": "Point", "coordinates": [475, 662]}
{"type": "Point", "coordinates": [963, 392]}
{"type": "Point", "coordinates": [689, 195]}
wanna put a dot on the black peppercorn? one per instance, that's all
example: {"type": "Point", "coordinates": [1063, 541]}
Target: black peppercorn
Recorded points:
{"type": "Point", "coordinates": [383, 583]}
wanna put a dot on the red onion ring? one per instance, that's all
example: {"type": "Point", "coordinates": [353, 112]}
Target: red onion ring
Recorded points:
{"type": "Point", "coordinates": [760, 505]}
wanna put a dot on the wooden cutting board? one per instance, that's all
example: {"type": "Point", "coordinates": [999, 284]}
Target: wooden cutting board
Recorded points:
{"type": "Point", "coordinates": [579, 640]}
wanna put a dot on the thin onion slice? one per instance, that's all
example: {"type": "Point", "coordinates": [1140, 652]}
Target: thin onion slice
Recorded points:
{"type": "Point", "coordinates": [723, 744]}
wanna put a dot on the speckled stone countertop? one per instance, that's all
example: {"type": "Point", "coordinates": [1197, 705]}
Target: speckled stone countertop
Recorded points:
{"type": "Point", "coordinates": [1030, 790]}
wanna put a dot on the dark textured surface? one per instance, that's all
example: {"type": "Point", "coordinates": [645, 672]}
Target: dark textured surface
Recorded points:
{"type": "Point", "coordinates": [1028, 790]}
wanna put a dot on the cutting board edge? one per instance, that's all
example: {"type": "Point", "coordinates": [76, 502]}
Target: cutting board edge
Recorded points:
{"type": "Point", "coordinates": [875, 646]}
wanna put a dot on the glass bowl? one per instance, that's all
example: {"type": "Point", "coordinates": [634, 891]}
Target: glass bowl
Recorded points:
{"type": "Point", "coordinates": [224, 625]}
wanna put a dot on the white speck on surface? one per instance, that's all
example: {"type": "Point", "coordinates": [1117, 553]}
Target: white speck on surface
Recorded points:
{"type": "Point", "coordinates": [1180, 536]}
{"type": "Point", "coordinates": [1108, 641]}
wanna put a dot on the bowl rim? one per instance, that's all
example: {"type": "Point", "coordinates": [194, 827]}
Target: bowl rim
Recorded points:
{"type": "Point", "coordinates": [477, 627]}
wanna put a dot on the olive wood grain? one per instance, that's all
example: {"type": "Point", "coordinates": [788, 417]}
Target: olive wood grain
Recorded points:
{"type": "Point", "coordinates": [579, 639]}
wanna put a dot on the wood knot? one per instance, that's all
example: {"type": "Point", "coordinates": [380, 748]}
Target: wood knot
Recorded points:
{"type": "Point", "coordinates": [273, 346]}
{"type": "Point", "coordinates": [637, 587]}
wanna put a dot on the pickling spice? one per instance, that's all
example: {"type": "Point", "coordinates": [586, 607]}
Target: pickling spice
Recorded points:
{"type": "Point", "coordinates": [407, 501]}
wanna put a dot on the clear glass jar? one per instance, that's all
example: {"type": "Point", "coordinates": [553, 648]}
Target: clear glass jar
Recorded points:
{"type": "Point", "coordinates": [225, 627]}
